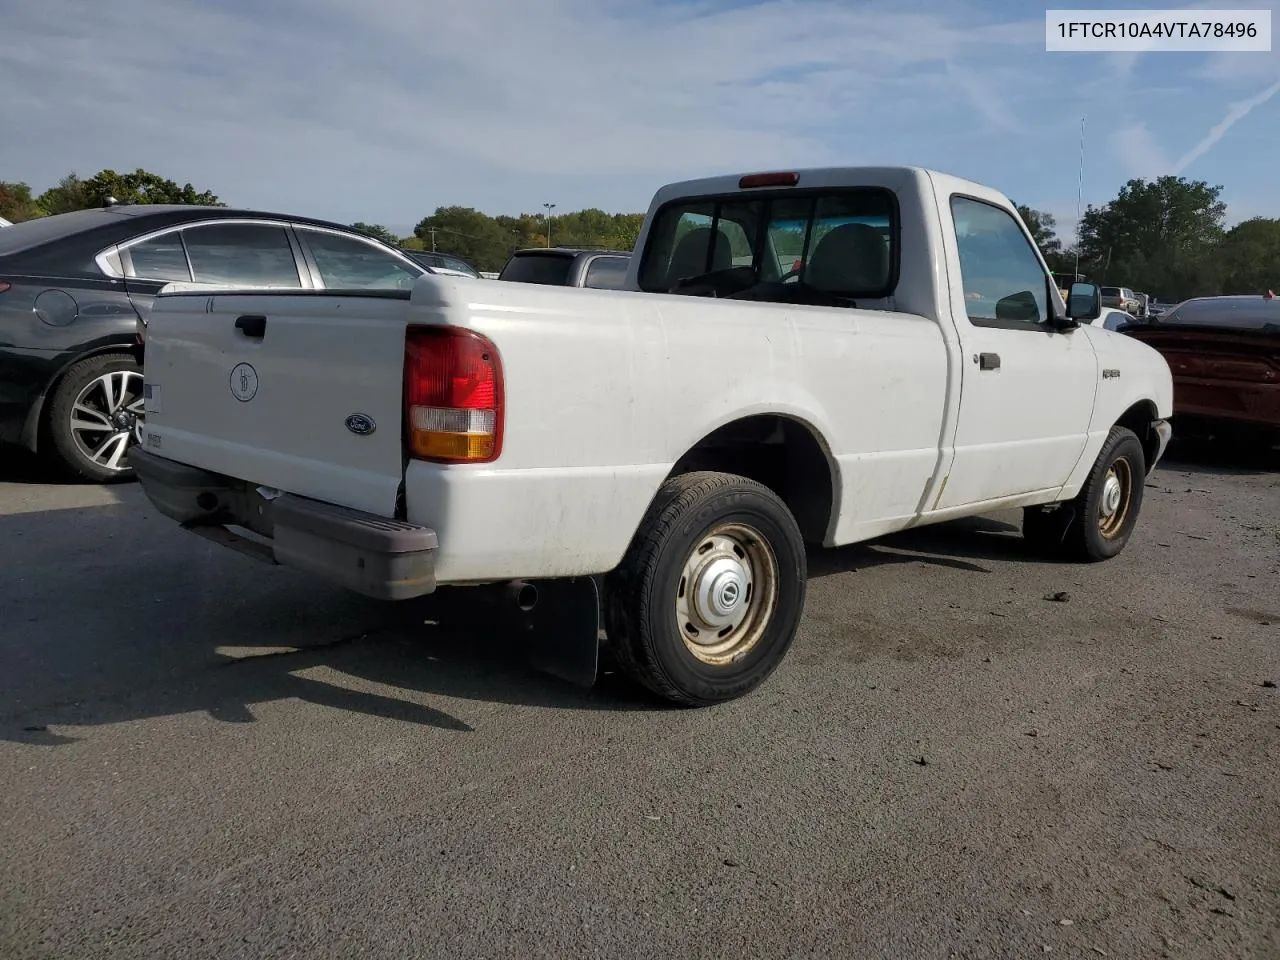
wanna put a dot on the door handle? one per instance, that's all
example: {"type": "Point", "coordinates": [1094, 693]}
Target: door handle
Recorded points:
{"type": "Point", "coordinates": [988, 361]}
{"type": "Point", "coordinates": [252, 325]}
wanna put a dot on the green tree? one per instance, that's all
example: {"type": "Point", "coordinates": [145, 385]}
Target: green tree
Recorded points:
{"type": "Point", "coordinates": [467, 233]}
{"type": "Point", "coordinates": [67, 195]}
{"type": "Point", "coordinates": [377, 231]}
{"type": "Point", "coordinates": [1159, 236]}
{"type": "Point", "coordinates": [140, 186]}
{"type": "Point", "coordinates": [16, 202]}
{"type": "Point", "coordinates": [1043, 229]}
{"type": "Point", "coordinates": [1249, 257]}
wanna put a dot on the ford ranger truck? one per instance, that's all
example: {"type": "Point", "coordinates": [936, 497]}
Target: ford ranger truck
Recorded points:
{"type": "Point", "coordinates": [800, 357]}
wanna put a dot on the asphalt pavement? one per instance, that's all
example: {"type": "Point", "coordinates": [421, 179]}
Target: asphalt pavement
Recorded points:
{"type": "Point", "coordinates": [204, 757]}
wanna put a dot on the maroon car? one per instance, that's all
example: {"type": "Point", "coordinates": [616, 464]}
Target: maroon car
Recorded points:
{"type": "Point", "coordinates": [1225, 356]}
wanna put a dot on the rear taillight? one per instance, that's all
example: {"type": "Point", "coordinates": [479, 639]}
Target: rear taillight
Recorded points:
{"type": "Point", "coordinates": [5, 285]}
{"type": "Point", "coordinates": [452, 395]}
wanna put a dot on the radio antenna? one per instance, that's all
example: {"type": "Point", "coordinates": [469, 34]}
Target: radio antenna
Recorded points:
{"type": "Point", "coordinates": [1079, 194]}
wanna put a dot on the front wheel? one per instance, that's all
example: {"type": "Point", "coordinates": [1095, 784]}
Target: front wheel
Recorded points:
{"type": "Point", "coordinates": [1097, 524]}
{"type": "Point", "coordinates": [707, 599]}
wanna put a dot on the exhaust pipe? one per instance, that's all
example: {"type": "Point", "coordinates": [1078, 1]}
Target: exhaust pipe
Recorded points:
{"type": "Point", "coordinates": [523, 594]}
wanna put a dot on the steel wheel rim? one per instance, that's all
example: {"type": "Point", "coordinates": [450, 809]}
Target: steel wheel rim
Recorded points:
{"type": "Point", "coordinates": [1116, 498]}
{"type": "Point", "coordinates": [727, 593]}
{"type": "Point", "coordinates": [106, 418]}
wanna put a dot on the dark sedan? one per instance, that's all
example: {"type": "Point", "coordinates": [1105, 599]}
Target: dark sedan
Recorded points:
{"type": "Point", "coordinates": [1224, 353]}
{"type": "Point", "coordinates": [568, 267]}
{"type": "Point", "coordinates": [75, 291]}
{"type": "Point", "coordinates": [444, 263]}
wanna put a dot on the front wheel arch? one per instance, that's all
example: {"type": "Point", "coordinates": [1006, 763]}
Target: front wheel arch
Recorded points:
{"type": "Point", "coordinates": [1141, 418]}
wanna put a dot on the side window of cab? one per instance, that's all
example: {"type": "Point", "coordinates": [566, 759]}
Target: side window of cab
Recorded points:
{"type": "Point", "coordinates": [1005, 284]}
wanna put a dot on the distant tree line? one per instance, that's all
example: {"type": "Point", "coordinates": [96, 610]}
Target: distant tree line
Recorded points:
{"type": "Point", "coordinates": [1165, 237]}
{"type": "Point", "coordinates": [484, 240]}
{"type": "Point", "coordinates": [17, 203]}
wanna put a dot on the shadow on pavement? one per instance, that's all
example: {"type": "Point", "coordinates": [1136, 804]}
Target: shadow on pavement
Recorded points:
{"type": "Point", "coordinates": [116, 616]}
{"type": "Point", "coordinates": [1220, 457]}
{"type": "Point", "coordinates": [20, 465]}
{"type": "Point", "coordinates": [956, 544]}
{"type": "Point", "coordinates": [341, 652]}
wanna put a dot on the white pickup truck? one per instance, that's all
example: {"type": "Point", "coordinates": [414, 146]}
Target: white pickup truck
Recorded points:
{"type": "Point", "coordinates": [820, 356]}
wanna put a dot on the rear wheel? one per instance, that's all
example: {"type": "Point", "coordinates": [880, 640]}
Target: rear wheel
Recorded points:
{"type": "Point", "coordinates": [95, 417]}
{"type": "Point", "coordinates": [707, 600]}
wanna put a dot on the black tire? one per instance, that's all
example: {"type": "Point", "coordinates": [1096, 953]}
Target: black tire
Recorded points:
{"type": "Point", "coordinates": [1089, 536]}
{"type": "Point", "coordinates": [731, 517]}
{"type": "Point", "coordinates": [72, 449]}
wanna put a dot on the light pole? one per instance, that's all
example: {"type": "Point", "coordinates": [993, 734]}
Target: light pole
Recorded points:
{"type": "Point", "coordinates": [549, 207]}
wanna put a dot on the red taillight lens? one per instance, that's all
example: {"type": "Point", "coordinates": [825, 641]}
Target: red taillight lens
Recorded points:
{"type": "Point", "coordinates": [5, 285]}
{"type": "Point", "coordinates": [452, 395]}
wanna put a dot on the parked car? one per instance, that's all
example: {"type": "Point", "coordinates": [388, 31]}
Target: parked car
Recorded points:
{"type": "Point", "coordinates": [1120, 298]}
{"type": "Point", "coordinates": [444, 263]}
{"type": "Point", "coordinates": [1225, 356]}
{"type": "Point", "coordinates": [683, 447]}
{"type": "Point", "coordinates": [1112, 319]}
{"type": "Point", "coordinates": [568, 267]}
{"type": "Point", "coordinates": [75, 291]}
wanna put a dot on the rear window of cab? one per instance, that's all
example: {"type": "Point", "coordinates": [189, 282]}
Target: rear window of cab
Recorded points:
{"type": "Point", "coordinates": [844, 241]}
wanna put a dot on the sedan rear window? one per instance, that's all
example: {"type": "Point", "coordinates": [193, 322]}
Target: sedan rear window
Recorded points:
{"type": "Point", "coordinates": [1232, 313]}
{"type": "Point", "coordinates": [160, 258]}
{"type": "Point", "coordinates": [548, 268]}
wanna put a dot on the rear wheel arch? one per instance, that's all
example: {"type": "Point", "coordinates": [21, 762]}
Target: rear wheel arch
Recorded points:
{"type": "Point", "coordinates": [784, 453]}
{"type": "Point", "coordinates": [33, 428]}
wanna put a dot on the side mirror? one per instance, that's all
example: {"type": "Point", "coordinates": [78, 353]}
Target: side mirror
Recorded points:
{"type": "Point", "coordinates": [1018, 306]}
{"type": "Point", "coordinates": [1084, 302]}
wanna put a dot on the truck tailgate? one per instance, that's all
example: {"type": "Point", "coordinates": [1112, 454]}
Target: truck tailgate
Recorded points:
{"type": "Point", "coordinates": [299, 392]}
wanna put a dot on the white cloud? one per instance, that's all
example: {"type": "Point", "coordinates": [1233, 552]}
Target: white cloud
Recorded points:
{"type": "Point", "coordinates": [982, 97]}
{"type": "Point", "coordinates": [291, 100]}
{"type": "Point", "coordinates": [1139, 151]}
{"type": "Point", "coordinates": [1236, 113]}
{"type": "Point", "coordinates": [1143, 156]}
{"type": "Point", "coordinates": [383, 110]}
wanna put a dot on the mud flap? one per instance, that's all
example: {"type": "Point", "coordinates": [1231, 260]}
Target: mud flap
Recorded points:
{"type": "Point", "coordinates": [562, 631]}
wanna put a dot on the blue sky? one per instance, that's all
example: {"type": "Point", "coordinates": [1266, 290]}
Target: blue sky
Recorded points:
{"type": "Point", "coordinates": [385, 109]}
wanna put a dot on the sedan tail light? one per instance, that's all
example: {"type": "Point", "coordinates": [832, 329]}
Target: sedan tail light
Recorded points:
{"type": "Point", "coordinates": [5, 285]}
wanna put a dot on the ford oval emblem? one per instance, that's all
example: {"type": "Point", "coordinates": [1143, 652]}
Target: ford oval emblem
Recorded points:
{"type": "Point", "coordinates": [361, 425]}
